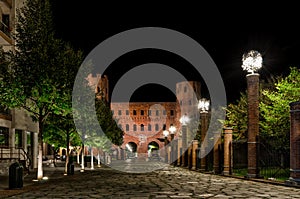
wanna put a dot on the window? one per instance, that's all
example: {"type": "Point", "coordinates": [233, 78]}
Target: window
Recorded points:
{"type": "Point", "coordinates": [127, 112]}
{"type": "Point", "coordinates": [112, 112]}
{"type": "Point", "coordinates": [18, 138]}
{"type": "Point", "coordinates": [4, 136]}
{"type": "Point", "coordinates": [119, 112]}
{"type": "Point", "coordinates": [149, 127]}
{"type": "Point", "coordinates": [149, 112]}
{"type": "Point", "coordinates": [142, 127]}
{"type": "Point", "coordinates": [142, 112]}
{"type": "Point", "coordinates": [164, 112]}
{"type": "Point", "coordinates": [180, 102]}
{"type": "Point", "coordinates": [156, 127]}
{"type": "Point", "coordinates": [157, 112]}
{"type": "Point", "coordinates": [127, 127]}
{"type": "Point", "coordinates": [190, 102]}
{"type": "Point", "coordinates": [185, 89]}
{"type": "Point", "coordinates": [134, 127]}
{"type": "Point", "coordinates": [164, 127]}
{"type": "Point", "coordinates": [172, 112]}
{"type": "Point", "coordinates": [134, 112]}
{"type": "Point", "coordinates": [120, 126]}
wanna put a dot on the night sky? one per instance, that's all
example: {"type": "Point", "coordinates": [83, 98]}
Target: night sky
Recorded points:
{"type": "Point", "coordinates": [224, 35]}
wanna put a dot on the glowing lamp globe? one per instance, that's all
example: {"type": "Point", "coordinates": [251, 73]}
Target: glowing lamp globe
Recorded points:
{"type": "Point", "coordinates": [165, 133]}
{"type": "Point", "coordinates": [172, 129]}
{"type": "Point", "coordinates": [203, 105]}
{"type": "Point", "coordinates": [252, 61]}
{"type": "Point", "coordinates": [184, 120]}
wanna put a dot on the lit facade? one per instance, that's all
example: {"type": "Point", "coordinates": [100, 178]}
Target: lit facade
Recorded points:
{"type": "Point", "coordinates": [18, 133]}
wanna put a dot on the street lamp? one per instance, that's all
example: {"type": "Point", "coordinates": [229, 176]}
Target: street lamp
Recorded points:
{"type": "Point", "coordinates": [172, 129]}
{"type": "Point", "coordinates": [252, 61]}
{"type": "Point", "coordinates": [184, 120]}
{"type": "Point", "coordinates": [203, 107]}
{"type": "Point", "coordinates": [166, 133]}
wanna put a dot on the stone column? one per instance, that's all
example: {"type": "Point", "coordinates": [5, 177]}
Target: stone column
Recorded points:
{"type": "Point", "coordinates": [35, 150]}
{"type": "Point", "coordinates": [217, 148]}
{"type": "Point", "coordinates": [204, 126]}
{"type": "Point", "coordinates": [179, 146]}
{"type": "Point", "coordinates": [184, 145]}
{"type": "Point", "coordinates": [194, 154]}
{"type": "Point", "coordinates": [227, 151]}
{"type": "Point", "coordinates": [253, 128]}
{"type": "Point", "coordinates": [24, 140]}
{"type": "Point", "coordinates": [295, 143]}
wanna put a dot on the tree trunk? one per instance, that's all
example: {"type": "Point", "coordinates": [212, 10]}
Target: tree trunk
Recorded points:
{"type": "Point", "coordinates": [40, 151]}
{"type": "Point", "coordinates": [68, 151]}
{"type": "Point", "coordinates": [82, 158]}
{"type": "Point", "coordinates": [99, 161]}
{"type": "Point", "coordinates": [92, 159]}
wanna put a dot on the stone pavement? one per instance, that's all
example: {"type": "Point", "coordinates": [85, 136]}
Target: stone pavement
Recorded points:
{"type": "Point", "coordinates": [167, 182]}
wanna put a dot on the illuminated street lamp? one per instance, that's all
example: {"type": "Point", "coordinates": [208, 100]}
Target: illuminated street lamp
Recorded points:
{"type": "Point", "coordinates": [203, 107]}
{"type": "Point", "coordinates": [184, 120]}
{"type": "Point", "coordinates": [172, 129]}
{"type": "Point", "coordinates": [252, 61]}
{"type": "Point", "coordinates": [166, 134]}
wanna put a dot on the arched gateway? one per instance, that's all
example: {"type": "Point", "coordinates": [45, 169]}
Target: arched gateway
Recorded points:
{"type": "Point", "coordinates": [144, 122]}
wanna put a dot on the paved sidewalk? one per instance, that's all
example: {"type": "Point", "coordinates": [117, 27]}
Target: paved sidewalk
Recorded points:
{"type": "Point", "coordinates": [168, 182]}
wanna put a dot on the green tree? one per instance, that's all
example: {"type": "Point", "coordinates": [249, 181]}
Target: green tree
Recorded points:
{"type": "Point", "coordinates": [274, 108]}
{"type": "Point", "coordinates": [237, 117]}
{"type": "Point", "coordinates": [107, 122]}
{"type": "Point", "coordinates": [36, 79]}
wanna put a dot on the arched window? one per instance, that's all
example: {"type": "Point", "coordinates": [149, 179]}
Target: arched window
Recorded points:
{"type": "Point", "coordinates": [149, 127]}
{"type": "Point", "coordinates": [127, 127]}
{"type": "Point", "coordinates": [134, 127]}
{"type": "Point", "coordinates": [142, 127]}
{"type": "Point", "coordinates": [156, 127]}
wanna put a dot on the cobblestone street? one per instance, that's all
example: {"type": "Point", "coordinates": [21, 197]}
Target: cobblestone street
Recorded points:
{"type": "Point", "coordinates": [167, 182]}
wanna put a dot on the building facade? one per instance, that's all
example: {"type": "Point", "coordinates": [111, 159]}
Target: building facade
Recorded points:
{"type": "Point", "coordinates": [18, 133]}
{"type": "Point", "coordinates": [144, 122]}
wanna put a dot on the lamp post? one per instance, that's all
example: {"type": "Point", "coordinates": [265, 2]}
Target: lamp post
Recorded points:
{"type": "Point", "coordinates": [252, 61]}
{"type": "Point", "coordinates": [203, 107]}
{"type": "Point", "coordinates": [166, 133]}
{"type": "Point", "coordinates": [172, 130]}
{"type": "Point", "coordinates": [184, 120]}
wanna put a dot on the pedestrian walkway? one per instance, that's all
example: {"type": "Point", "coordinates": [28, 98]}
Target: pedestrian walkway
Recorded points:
{"type": "Point", "coordinates": [167, 182]}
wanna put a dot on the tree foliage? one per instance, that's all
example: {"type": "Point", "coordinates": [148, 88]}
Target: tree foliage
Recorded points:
{"type": "Point", "coordinates": [237, 117]}
{"type": "Point", "coordinates": [37, 77]}
{"type": "Point", "coordinates": [275, 96]}
{"type": "Point", "coordinates": [107, 121]}
{"type": "Point", "coordinates": [274, 108]}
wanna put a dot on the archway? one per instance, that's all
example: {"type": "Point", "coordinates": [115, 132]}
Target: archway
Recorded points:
{"type": "Point", "coordinates": [153, 147]}
{"type": "Point", "coordinates": [131, 149]}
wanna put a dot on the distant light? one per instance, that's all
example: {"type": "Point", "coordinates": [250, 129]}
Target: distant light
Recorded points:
{"type": "Point", "coordinates": [165, 133]}
{"type": "Point", "coordinates": [203, 105]}
{"type": "Point", "coordinates": [172, 129]}
{"type": "Point", "coordinates": [128, 147]}
{"type": "Point", "coordinates": [45, 178]}
{"type": "Point", "coordinates": [184, 119]}
{"type": "Point", "coordinates": [252, 61]}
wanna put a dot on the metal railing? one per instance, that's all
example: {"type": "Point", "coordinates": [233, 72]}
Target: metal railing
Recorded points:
{"type": "Point", "coordinates": [5, 29]}
{"type": "Point", "coordinates": [12, 153]}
